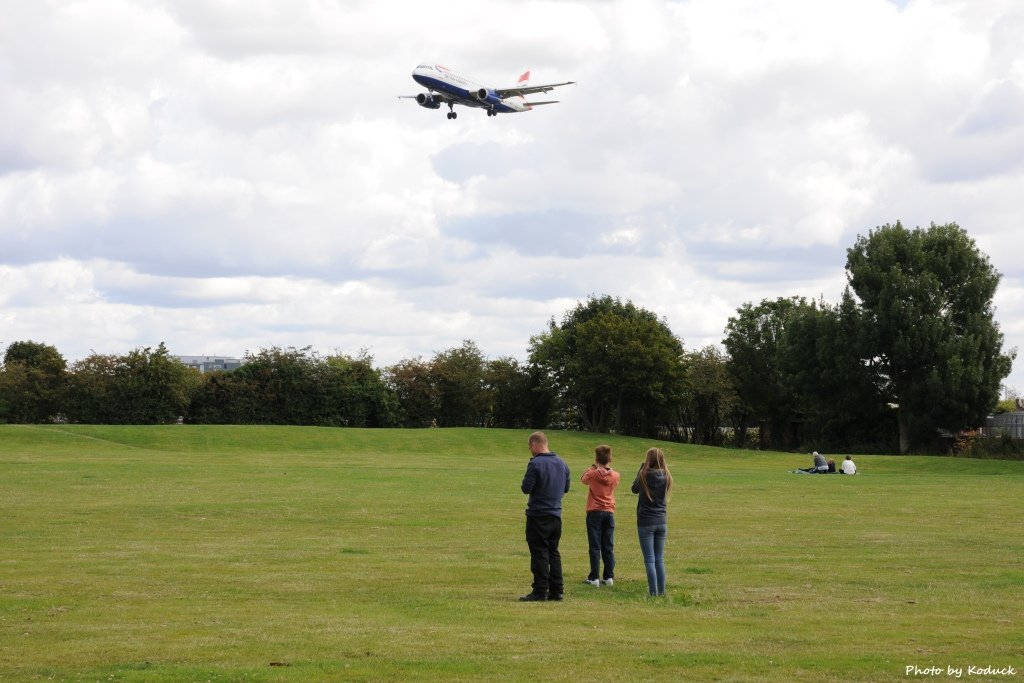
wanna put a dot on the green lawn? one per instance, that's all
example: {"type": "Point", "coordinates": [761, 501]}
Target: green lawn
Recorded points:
{"type": "Point", "coordinates": [279, 553]}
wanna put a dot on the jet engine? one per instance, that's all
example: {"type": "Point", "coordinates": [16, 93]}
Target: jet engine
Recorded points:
{"type": "Point", "coordinates": [428, 101]}
{"type": "Point", "coordinates": [481, 94]}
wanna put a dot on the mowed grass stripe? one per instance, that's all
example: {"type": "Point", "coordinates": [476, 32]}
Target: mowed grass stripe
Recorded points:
{"type": "Point", "coordinates": [289, 553]}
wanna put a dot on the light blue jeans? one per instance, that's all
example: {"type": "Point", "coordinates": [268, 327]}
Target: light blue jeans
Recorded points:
{"type": "Point", "coordinates": [652, 545]}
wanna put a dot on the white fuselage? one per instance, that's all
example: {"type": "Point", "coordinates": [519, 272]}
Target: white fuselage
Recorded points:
{"type": "Point", "coordinates": [465, 91]}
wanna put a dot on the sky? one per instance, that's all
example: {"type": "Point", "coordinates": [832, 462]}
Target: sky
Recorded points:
{"type": "Point", "coordinates": [226, 176]}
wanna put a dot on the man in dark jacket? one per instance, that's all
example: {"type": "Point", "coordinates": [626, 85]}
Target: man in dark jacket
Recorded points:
{"type": "Point", "coordinates": [546, 481]}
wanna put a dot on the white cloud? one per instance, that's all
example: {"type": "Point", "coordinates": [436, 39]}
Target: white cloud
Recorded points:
{"type": "Point", "coordinates": [226, 176]}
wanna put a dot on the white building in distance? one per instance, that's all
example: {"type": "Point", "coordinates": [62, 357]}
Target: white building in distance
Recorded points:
{"type": "Point", "coordinates": [211, 363]}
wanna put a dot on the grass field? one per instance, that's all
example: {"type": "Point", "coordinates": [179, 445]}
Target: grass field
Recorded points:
{"type": "Point", "coordinates": [187, 553]}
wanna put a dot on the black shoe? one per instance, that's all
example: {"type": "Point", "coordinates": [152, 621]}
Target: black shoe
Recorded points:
{"type": "Point", "coordinates": [555, 597]}
{"type": "Point", "coordinates": [533, 597]}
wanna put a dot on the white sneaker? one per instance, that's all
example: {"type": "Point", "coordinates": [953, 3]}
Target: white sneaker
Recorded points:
{"type": "Point", "coordinates": [593, 582]}
{"type": "Point", "coordinates": [609, 582]}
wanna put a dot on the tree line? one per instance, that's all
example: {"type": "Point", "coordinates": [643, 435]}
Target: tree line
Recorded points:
{"type": "Point", "coordinates": [910, 351]}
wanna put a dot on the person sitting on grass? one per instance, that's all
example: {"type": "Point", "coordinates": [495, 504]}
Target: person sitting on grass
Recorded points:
{"type": "Point", "coordinates": [820, 465]}
{"type": "Point", "coordinates": [849, 467]}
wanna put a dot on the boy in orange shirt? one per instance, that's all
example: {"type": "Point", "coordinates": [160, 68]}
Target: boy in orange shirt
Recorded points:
{"type": "Point", "coordinates": [601, 481]}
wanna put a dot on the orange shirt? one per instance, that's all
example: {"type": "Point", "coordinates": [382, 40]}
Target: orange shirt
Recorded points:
{"type": "Point", "coordinates": [601, 482]}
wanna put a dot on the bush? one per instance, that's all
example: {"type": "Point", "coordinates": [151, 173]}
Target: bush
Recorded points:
{"type": "Point", "coordinates": [1002, 447]}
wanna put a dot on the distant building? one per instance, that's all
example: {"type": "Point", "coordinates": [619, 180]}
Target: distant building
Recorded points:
{"type": "Point", "coordinates": [211, 363]}
{"type": "Point", "coordinates": [1011, 424]}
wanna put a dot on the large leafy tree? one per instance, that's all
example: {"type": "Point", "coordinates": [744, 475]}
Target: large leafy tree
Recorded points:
{"type": "Point", "coordinates": [277, 386]}
{"type": "Point", "coordinates": [90, 390]}
{"type": "Point", "coordinates": [617, 366]}
{"type": "Point", "coordinates": [926, 297]}
{"type": "Point", "coordinates": [835, 392]}
{"type": "Point", "coordinates": [228, 398]}
{"type": "Point", "coordinates": [458, 377]}
{"type": "Point", "coordinates": [31, 382]}
{"type": "Point", "coordinates": [356, 393]}
{"type": "Point", "coordinates": [753, 339]}
{"type": "Point", "coordinates": [297, 386]}
{"type": "Point", "coordinates": [412, 382]}
{"type": "Point", "coordinates": [515, 399]}
{"type": "Point", "coordinates": [710, 398]}
{"type": "Point", "coordinates": [153, 387]}
{"type": "Point", "coordinates": [144, 386]}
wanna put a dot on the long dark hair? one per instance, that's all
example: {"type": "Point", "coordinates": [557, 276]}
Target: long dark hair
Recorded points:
{"type": "Point", "coordinates": [655, 461]}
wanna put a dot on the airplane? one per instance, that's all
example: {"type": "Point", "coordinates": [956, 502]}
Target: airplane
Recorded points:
{"type": "Point", "coordinates": [444, 86]}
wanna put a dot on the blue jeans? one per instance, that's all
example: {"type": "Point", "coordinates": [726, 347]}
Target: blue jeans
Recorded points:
{"type": "Point", "coordinates": [652, 545]}
{"type": "Point", "coordinates": [601, 541]}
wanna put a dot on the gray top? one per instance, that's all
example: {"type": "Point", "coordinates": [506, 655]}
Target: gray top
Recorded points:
{"type": "Point", "coordinates": [651, 512]}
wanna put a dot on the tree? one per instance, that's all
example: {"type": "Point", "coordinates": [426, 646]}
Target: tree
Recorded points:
{"type": "Point", "coordinates": [926, 296]}
{"type": "Point", "coordinates": [288, 383]}
{"type": "Point", "coordinates": [153, 387]}
{"type": "Point", "coordinates": [228, 398]}
{"type": "Point", "coordinates": [273, 386]}
{"type": "Point", "coordinates": [458, 378]}
{"type": "Point", "coordinates": [709, 398]}
{"type": "Point", "coordinates": [835, 392]}
{"type": "Point", "coordinates": [412, 382]}
{"type": "Point", "coordinates": [356, 393]}
{"type": "Point", "coordinates": [616, 365]}
{"type": "Point", "coordinates": [514, 396]}
{"type": "Point", "coordinates": [753, 339]}
{"type": "Point", "coordinates": [299, 387]}
{"type": "Point", "coordinates": [1006, 405]}
{"type": "Point", "coordinates": [144, 386]}
{"type": "Point", "coordinates": [31, 382]}
{"type": "Point", "coordinates": [90, 382]}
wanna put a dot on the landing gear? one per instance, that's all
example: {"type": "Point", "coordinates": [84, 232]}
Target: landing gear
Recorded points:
{"type": "Point", "coordinates": [451, 113]}
{"type": "Point", "coordinates": [492, 112]}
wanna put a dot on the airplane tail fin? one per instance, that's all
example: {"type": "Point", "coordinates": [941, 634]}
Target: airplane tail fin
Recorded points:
{"type": "Point", "coordinates": [521, 82]}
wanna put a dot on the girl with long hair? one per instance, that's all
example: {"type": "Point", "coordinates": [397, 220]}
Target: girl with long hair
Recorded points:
{"type": "Point", "coordinates": [653, 484]}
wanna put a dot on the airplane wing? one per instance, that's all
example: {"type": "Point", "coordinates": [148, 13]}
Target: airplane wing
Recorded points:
{"type": "Point", "coordinates": [523, 90]}
{"type": "Point", "coordinates": [536, 104]}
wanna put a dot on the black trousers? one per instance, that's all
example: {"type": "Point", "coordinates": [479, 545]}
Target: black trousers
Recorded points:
{"type": "Point", "coordinates": [542, 535]}
{"type": "Point", "coordinates": [601, 543]}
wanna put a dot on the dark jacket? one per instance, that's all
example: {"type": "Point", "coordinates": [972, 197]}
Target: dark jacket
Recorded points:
{"type": "Point", "coordinates": [546, 480]}
{"type": "Point", "coordinates": [651, 512]}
